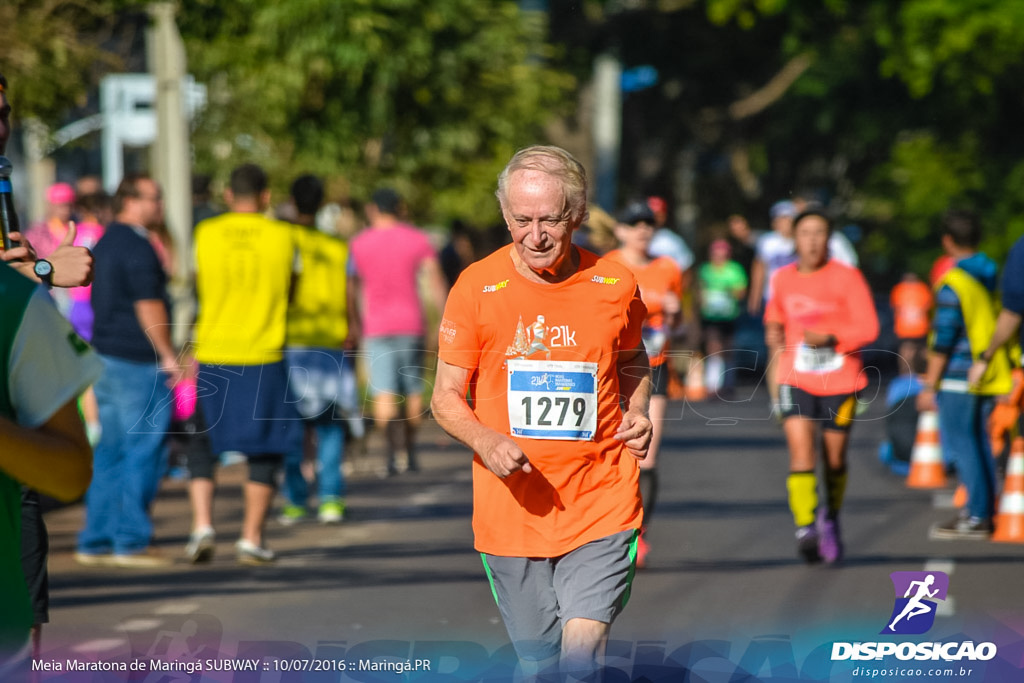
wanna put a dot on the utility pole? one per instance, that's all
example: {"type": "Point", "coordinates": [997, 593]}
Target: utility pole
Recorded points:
{"type": "Point", "coordinates": [607, 129]}
{"type": "Point", "coordinates": [171, 151]}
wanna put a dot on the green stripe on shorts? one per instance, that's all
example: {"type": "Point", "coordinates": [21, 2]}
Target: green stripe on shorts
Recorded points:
{"type": "Point", "coordinates": [634, 543]}
{"type": "Point", "coordinates": [490, 578]}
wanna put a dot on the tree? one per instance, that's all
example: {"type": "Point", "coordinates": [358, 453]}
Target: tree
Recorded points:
{"type": "Point", "coordinates": [892, 111]}
{"type": "Point", "coordinates": [53, 53]}
{"type": "Point", "coordinates": [430, 97]}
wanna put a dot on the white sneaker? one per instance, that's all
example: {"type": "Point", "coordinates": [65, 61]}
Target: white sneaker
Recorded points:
{"type": "Point", "coordinates": [250, 553]}
{"type": "Point", "coordinates": [200, 546]}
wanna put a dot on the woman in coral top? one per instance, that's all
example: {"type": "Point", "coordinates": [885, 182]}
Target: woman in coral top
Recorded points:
{"type": "Point", "coordinates": [821, 313]}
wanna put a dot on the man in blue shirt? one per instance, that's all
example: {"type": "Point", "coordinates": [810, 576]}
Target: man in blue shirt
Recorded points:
{"type": "Point", "coordinates": [132, 335]}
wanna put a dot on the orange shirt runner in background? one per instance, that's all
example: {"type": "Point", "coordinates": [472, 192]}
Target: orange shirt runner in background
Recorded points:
{"type": "Point", "coordinates": [542, 363]}
{"type": "Point", "coordinates": [836, 300]}
{"type": "Point", "coordinates": [656, 280]}
{"type": "Point", "coordinates": [911, 305]}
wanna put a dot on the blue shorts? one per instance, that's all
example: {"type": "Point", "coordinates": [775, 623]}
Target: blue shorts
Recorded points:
{"type": "Point", "coordinates": [396, 365]}
{"type": "Point", "coordinates": [246, 408]}
{"type": "Point", "coordinates": [322, 383]}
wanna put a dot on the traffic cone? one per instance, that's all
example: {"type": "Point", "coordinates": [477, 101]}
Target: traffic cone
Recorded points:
{"type": "Point", "coordinates": [1010, 520]}
{"type": "Point", "coordinates": [696, 390]}
{"type": "Point", "coordinates": [960, 497]}
{"type": "Point", "coordinates": [927, 471]}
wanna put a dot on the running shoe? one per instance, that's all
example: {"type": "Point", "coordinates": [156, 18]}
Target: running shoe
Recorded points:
{"type": "Point", "coordinates": [962, 529]}
{"type": "Point", "coordinates": [94, 559]}
{"type": "Point", "coordinates": [807, 544]}
{"type": "Point", "coordinates": [830, 545]}
{"type": "Point", "coordinates": [291, 514]}
{"type": "Point", "coordinates": [250, 553]}
{"type": "Point", "coordinates": [331, 512]}
{"type": "Point", "coordinates": [200, 546]}
{"type": "Point", "coordinates": [147, 558]}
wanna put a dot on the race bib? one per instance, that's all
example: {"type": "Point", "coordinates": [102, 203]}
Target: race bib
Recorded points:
{"type": "Point", "coordinates": [654, 339]}
{"type": "Point", "coordinates": [819, 359]}
{"type": "Point", "coordinates": [552, 399]}
{"type": "Point", "coordinates": [718, 303]}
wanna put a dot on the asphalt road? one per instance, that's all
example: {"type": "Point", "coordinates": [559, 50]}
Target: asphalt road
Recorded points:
{"type": "Point", "coordinates": [723, 598]}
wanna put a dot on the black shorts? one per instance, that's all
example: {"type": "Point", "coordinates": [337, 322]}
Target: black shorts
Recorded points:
{"type": "Point", "coordinates": [836, 411]}
{"type": "Point", "coordinates": [35, 546]}
{"type": "Point", "coordinates": [725, 328]}
{"type": "Point", "coordinates": [659, 380]}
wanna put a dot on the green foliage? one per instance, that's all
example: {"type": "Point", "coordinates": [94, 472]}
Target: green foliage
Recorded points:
{"type": "Point", "coordinates": [922, 179]}
{"type": "Point", "coordinates": [903, 110]}
{"type": "Point", "coordinates": [430, 97]}
{"type": "Point", "coordinates": [51, 55]}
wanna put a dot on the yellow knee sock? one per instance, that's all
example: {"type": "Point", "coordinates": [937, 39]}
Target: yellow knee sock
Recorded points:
{"type": "Point", "coordinates": [803, 496]}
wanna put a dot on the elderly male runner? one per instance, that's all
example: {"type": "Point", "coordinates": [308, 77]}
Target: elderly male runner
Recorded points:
{"type": "Point", "coordinates": [557, 432]}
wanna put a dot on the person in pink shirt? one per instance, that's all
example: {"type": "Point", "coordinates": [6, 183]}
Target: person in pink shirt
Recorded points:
{"type": "Point", "coordinates": [46, 235]}
{"type": "Point", "coordinates": [820, 313]}
{"type": "Point", "coordinates": [89, 209]}
{"type": "Point", "coordinates": [386, 263]}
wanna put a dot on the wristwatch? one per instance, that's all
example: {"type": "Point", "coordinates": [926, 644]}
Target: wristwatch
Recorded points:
{"type": "Point", "coordinates": [44, 271]}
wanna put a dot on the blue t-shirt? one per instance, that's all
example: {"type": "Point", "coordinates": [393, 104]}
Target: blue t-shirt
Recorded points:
{"type": "Point", "coordinates": [126, 270]}
{"type": "Point", "coordinates": [1013, 281]}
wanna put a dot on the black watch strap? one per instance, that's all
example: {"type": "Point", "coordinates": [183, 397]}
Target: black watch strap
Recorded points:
{"type": "Point", "coordinates": [44, 271]}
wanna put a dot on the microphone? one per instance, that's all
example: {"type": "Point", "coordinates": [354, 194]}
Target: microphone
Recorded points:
{"type": "Point", "coordinates": [8, 216]}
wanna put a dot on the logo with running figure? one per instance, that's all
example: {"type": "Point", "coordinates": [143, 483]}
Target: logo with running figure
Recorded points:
{"type": "Point", "coordinates": [916, 595]}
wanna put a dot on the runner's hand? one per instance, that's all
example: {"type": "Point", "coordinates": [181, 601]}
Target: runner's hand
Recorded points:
{"type": "Point", "coordinates": [504, 457]}
{"type": "Point", "coordinates": [635, 431]}
{"type": "Point", "coordinates": [977, 372]}
{"type": "Point", "coordinates": [926, 400]}
{"type": "Point", "coordinates": [818, 338]}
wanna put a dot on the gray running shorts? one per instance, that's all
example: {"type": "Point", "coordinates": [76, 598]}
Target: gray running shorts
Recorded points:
{"type": "Point", "coordinates": [537, 596]}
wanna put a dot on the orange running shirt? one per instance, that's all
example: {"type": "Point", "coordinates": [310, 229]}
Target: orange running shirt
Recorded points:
{"type": "Point", "coordinates": [542, 358]}
{"type": "Point", "coordinates": [658, 278]}
{"type": "Point", "coordinates": [911, 304]}
{"type": "Point", "coordinates": [832, 300]}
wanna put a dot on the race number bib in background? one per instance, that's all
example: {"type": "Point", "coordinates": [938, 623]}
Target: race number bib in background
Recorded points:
{"type": "Point", "coordinates": [552, 399]}
{"type": "Point", "coordinates": [818, 359]}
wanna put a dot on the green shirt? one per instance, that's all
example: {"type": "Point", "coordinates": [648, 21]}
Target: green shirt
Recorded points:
{"type": "Point", "coordinates": [720, 287]}
{"type": "Point", "coordinates": [43, 366]}
{"type": "Point", "coordinates": [16, 611]}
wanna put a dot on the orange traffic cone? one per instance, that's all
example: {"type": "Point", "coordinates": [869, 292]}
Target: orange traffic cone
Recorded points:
{"type": "Point", "coordinates": [1010, 520]}
{"type": "Point", "coordinates": [927, 471]}
{"type": "Point", "coordinates": [960, 497]}
{"type": "Point", "coordinates": [696, 390]}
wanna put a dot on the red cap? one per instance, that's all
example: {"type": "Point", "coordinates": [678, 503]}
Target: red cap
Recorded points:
{"type": "Point", "coordinates": [657, 204]}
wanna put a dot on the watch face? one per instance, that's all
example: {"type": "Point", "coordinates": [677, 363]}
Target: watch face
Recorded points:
{"type": "Point", "coordinates": [43, 268]}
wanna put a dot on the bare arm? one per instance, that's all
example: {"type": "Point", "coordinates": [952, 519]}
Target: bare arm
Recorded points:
{"type": "Point", "coordinates": [436, 284]}
{"type": "Point", "coordinates": [756, 286]}
{"type": "Point", "coordinates": [635, 384]}
{"type": "Point", "coordinates": [152, 316]}
{"type": "Point", "coordinates": [1007, 325]}
{"type": "Point", "coordinates": [355, 327]}
{"type": "Point", "coordinates": [54, 458]}
{"type": "Point", "coordinates": [932, 376]}
{"type": "Point", "coordinates": [500, 453]}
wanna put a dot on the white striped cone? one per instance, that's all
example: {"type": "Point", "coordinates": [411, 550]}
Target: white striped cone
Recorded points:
{"type": "Point", "coordinates": [1010, 520]}
{"type": "Point", "coordinates": [927, 471]}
